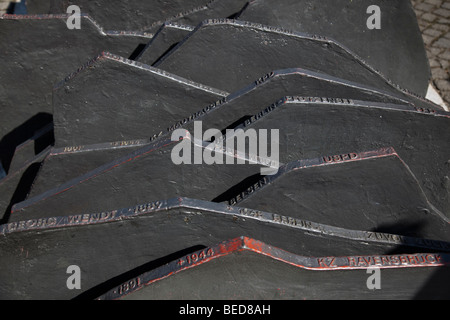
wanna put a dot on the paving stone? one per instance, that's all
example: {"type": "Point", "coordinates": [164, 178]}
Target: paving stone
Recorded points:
{"type": "Point", "coordinates": [429, 17]}
{"type": "Point", "coordinates": [443, 43]}
{"type": "Point", "coordinates": [442, 12]}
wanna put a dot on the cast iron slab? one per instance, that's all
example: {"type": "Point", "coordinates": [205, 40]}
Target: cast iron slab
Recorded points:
{"type": "Point", "coordinates": [140, 102]}
{"type": "Point", "coordinates": [227, 54]}
{"type": "Point", "coordinates": [38, 51]}
{"type": "Point", "coordinates": [15, 186]}
{"type": "Point", "coordinates": [84, 115]}
{"type": "Point", "coordinates": [36, 253]}
{"type": "Point", "coordinates": [32, 147]}
{"type": "Point", "coordinates": [33, 131]}
{"type": "Point", "coordinates": [397, 49]}
{"type": "Point", "coordinates": [147, 173]}
{"type": "Point", "coordinates": [317, 127]}
{"type": "Point", "coordinates": [166, 38]}
{"type": "Point", "coordinates": [366, 191]}
{"type": "Point", "coordinates": [258, 271]}
{"type": "Point", "coordinates": [142, 15]}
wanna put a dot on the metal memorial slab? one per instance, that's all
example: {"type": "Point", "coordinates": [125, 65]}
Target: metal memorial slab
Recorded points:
{"type": "Point", "coordinates": [146, 173]}
{"type": "Point", "coordinates": [346, 21]}
{"type": "Point", "coordinates": [241, 263]}
{"type": "Point", "coordinates": [221, 53]}
{"type": "Point", "coordinates": [139, 103]}
{"type": "Point", "coordinates": [108, 244]}
{"type": "Point", "coordinates": [38, 51]}
{"type": "Point", "coordinates": [15, 186]}
{"type": "Point", "coordinates": [420, 136]}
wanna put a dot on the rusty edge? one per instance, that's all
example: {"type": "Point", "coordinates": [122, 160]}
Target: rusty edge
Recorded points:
{"type": "Point", "coordinates": [308, 263]}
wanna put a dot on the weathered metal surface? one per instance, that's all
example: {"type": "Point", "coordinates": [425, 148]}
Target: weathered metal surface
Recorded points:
{"type": "Point", "coordinates": [115, 99]}
{"type": "Point", "coordinates": [88, 117]}
{"type": "Point", "coordinates": [314, 127]}
{"type": "Point", "coordinates": [221, 53]}
{"type": "Point", "coordinates": [396, 49]}
{"type": "Point", "coordinates": [160, 232]}
{"type": "Point", "coordinates": [38, 51]}
{"type": "Point", "coordinates": [15, 186]}
{"type": "Point", "coordinates": [27, 150]}
{"type": "Point", "coordinates": [27, 132]}
{"type": "Point", "coordinates": [142, 15]}
{"type": "Point", "coordinates": [242, 262]}
{"type": "Point", "coordinates": [360, 191]}
{"type": "Point", "coordinates": [145, 173]}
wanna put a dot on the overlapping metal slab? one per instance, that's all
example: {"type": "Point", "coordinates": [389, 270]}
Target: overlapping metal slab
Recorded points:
{"type": "Point", "coordinates": [139, 103]}
{"type": "Point", "coordinates": [148, 172]}
{"type": "Point", "coordinates": [142, 15]}
{"type": "Point", "coordinates": [347, 193]}
{"type": "Point", "coordinates": [396, 49]}
{"type": "Point", "coordinates": [255, 270]}
{"type": "Point", "coordinates": [32, 63]}
{"type": "Point", "coordinates": [107, 244]}
{"type": "Point", "coordinates": [27, 150]}
{"type": "Point", "coordinates": [315, 127]}
{"type": "Point", "coordinates": [221, 53]}
{"type": "Point", "coordinates": [15, 186]}
{"type": "Point", "coordinates": [247, 102]}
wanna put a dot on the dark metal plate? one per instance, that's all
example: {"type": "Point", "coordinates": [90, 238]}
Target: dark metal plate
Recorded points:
{"type": "Point", "coordinates": [148, 173]}
{"type": "Point", "coordinates": [397, 49]}
{"type": "Point", "coordinates": [241, 263]}
{"type": "Point", "coordinates": [156, 233]}
{"type": "Point", "coordinates": [227, 54]}
{"type": "Point", "coordinates": [115, 99]}
{"type": "Point", "coordinates": [38, 51]}
{"type": "Point", "coordinates": [316, 127]}
{"type": "Point", "coordinates": [366, 191]}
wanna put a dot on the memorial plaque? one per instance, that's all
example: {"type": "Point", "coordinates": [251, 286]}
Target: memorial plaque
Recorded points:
{"type": "Point", "coordinates": [115, 99]}
{"type": "Point", "coordinates": [153, 234]}
{"type": "Point", "coordinates": [227, 54]}
{"type": "Point", "coordinates": [39, 51]}
{"type": "Point", "coordinates": [241, 263]}
{"type": "Point", "coordinates": [314, 127]}
{"type": "Point", "coordinates": [146, 173]}
{"type": "Point", "coordinates": [396, 48]}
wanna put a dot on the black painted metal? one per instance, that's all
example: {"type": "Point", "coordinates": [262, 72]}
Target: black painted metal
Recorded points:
{"type": "Point", "coordinates": [242, 262]}
{"type": "Point", "coordinates": [226, 54]}
{"type": "Point", "coordinates": [33, 63]}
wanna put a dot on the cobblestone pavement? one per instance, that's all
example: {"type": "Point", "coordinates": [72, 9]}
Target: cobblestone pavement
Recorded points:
{"type": "Point", "coordinates": [434, 21]}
